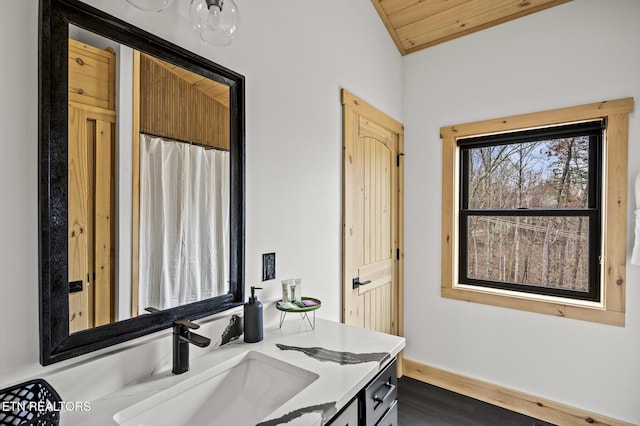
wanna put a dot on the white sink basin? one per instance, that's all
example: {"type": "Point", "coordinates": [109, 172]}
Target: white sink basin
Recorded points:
{"type": "Point", "coordinates": [242, 391]}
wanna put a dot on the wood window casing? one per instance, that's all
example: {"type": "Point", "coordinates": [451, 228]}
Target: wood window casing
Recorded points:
{"type": "Point", "coordinates": [611, 308]}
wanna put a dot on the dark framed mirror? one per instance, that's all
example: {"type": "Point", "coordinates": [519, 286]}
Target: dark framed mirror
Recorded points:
{"type": "Point", "coordinates": [60, 283]}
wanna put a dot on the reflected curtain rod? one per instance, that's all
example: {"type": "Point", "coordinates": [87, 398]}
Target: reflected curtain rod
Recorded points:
{"type": "Point", "coordinates": [168, 138]}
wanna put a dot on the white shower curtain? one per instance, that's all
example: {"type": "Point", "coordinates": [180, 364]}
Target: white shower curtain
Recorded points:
{"type": "Point", "coordinates": [184, 223]}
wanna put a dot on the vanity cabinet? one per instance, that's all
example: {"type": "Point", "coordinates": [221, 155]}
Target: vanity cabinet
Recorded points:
{"type": "Point", "coordinates": [349, 416]}
{"type": "Point", "coordinates": [376, 404]}
{"type": "Point", "coordinates": [379, 398]}
{"type": "Point", "coordinates": [390, 417]}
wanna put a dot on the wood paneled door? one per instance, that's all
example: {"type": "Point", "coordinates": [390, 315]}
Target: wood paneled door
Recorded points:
{"type": "Point", "coordinates": [372, 217]}
{"type": "Point", "coordinates": [91, 186]}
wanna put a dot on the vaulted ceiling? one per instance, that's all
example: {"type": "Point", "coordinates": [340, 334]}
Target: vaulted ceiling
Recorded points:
{"type": "Point", "coordinates": [417, 24]}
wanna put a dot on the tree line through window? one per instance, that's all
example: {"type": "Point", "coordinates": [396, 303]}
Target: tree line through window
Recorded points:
{"type": "Point", "coordinates": [530, 211]}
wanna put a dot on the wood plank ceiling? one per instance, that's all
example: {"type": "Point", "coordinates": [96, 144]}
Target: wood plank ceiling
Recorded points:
{"type": "Point", "coordinates": [417, 24]}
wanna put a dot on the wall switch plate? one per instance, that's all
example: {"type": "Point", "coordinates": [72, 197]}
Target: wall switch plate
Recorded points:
{"type": "Point", "coordinates": [268, 266]}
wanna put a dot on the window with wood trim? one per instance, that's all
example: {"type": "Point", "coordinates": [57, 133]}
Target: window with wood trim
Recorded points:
{"type": "Point", "coordinates": [529, 211]}
{"type": "Point", "coordinates": [534, 211]}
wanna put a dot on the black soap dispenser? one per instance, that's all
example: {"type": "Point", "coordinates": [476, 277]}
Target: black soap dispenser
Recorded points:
{"type": "Point", "coordinates": [253, 318]}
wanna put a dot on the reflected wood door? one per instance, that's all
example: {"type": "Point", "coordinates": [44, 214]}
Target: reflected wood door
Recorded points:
{"type": "Point", "coordinates": [103, 135]}
{"type": "Point", "coordinates": [91, 206]}
{"type": "Point", "coordinates": [91, 185]}
{"type": "Point", "coordinates": [80, 205]}
{"type": "Point", "coordinates": [371, 237]}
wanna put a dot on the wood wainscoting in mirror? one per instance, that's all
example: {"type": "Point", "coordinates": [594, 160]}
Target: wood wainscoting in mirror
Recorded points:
{"type": "Point", "coordinates": [86, 141]}
{"type": "Point", "coordinates": [174, 103]}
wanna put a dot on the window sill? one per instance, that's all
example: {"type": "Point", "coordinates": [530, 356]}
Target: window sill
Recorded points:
{"type": "Point", "coordinates": [586, 311]}
{"type": "Point", "coordinates": [531, 296]}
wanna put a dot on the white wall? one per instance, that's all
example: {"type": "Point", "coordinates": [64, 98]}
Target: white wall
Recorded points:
{"type": "Point", "coordinates": [580, 52]}
{"type": "Point", "coordinates": [294, 70]}
{"type": "Point", "coordinates": [295, 55]}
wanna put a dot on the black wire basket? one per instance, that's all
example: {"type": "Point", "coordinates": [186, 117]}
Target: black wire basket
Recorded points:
{"type": "Point", "coordinates": [30, 403]}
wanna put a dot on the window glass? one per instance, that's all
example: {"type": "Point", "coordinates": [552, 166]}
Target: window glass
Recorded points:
{"type": "Point", "coordinates": [529, 213]}
{"type": "Point", "coordinates": [539, 251]}
{"type": "Point", "coordinates": [540, 174]}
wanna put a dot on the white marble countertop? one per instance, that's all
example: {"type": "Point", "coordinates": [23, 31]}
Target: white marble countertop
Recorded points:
{"type": "Point", "coordinates": [339, 378]}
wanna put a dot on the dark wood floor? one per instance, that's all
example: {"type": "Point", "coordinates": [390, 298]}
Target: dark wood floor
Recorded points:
{"type": "Point", "coordinates": [423, 404]}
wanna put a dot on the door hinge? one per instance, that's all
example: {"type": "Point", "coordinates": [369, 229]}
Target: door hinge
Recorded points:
{"type": "Point", "coordinates": [401, 154]}
{"type": "Point", "coordinates": [397, 254]}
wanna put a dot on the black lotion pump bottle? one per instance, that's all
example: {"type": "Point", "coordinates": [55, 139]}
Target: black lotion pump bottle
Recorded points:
{"type": "Point", "coordinates": [253, 318]}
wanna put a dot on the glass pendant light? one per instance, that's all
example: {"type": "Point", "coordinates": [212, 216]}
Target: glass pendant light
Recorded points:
{"type": "Point", "coordinates": [215, 20]}
{"type": "Point", "coordinates": [151, 5]}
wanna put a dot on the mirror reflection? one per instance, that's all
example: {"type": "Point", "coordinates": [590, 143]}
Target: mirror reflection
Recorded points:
{"type": "Point", "coordinates": [148, 183]}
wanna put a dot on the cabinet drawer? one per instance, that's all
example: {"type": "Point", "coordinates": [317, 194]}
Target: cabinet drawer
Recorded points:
{"type": "Point", "coordinates": [380, 394]}
{"type": "Point", "coordinates": [391, 416]}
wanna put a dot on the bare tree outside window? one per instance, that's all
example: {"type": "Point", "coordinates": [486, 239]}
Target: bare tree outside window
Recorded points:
{"type": "Point", "coordinates": [527, 212]}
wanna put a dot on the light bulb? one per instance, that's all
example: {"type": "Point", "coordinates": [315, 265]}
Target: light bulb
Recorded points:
{"type": "Point", "coordinates": [151, 5]}
{"type": "Point", "coordinates": [215, 20]}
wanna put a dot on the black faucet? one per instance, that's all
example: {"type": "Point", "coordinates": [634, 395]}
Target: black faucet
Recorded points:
{"type": "Point", "coordinates": [182, 337]}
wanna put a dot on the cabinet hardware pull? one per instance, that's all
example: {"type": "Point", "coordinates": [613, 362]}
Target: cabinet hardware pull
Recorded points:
{"type": "Point", "coordinates": [390, 387]}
